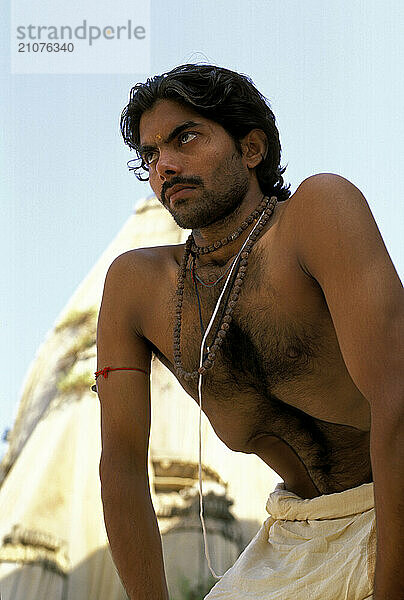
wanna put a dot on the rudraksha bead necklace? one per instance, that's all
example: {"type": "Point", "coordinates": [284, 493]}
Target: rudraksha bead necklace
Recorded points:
{"type": "Point", "coordinates": [233, 236]}
{"type": "Point", "coordinates": [264, 213]}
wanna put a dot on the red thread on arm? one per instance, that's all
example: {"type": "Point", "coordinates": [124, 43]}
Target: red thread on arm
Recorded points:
{"type": "Point", "coordinates": [106, 370]}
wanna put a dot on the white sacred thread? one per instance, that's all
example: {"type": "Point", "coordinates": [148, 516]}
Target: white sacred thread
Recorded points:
{"type": "Point", "coordinates": [205, 538]}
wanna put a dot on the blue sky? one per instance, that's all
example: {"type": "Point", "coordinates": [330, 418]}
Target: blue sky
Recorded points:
{"type": "Point", "coordinates": [331, 70]}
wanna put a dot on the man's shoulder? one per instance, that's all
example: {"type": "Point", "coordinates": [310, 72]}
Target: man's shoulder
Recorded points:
{"type": "Point", "coordinates": [327, 193]}
{"type": "Point", "coordinates": [323, 201]}
{"type": "Point", "coordinates": [146, 260]}
{"type": "Point", "coordinates": [325, 211]}
{"type": "Point", "coordinates": [334, 227]}
{"type": "Point", "coordinates": [138, 273]}
{"type": "Point", "coordinates": [137, 280]}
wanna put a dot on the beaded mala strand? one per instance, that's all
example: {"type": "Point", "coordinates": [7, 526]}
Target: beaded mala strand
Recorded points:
{"type": "Point", "coordinates": [233, 236]}
{"type": "Point", "coordinates": [264, 212]}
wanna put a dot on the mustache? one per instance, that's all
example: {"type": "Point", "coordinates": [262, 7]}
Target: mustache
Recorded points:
{"type": "Point", "coordinates": [178, 181]}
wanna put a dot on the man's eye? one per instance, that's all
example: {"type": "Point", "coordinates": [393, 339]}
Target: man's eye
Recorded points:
{"type": "Point", "coordinates": [149, 157]}
{"type": "Point", "coordinates": [187, 136]}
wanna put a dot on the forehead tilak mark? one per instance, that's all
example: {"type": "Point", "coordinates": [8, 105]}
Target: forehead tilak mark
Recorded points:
{"type": "Point", "coordinates": [172, 135]}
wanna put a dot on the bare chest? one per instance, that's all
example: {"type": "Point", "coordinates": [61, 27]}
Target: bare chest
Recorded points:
{"type": "Point", "coordinates": [279, 373]}
{"type": "Point", "coordinates": [280, 342]}
{"type": "Point", "coordinates": [263, 346]}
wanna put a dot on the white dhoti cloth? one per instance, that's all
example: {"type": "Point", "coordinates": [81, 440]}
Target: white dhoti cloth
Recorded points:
{"type": "Point", "coordinates": [318, 549]}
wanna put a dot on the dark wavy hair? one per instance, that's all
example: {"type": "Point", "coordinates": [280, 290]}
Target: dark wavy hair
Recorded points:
{"type": "Point", "coordinates": [218, 94]}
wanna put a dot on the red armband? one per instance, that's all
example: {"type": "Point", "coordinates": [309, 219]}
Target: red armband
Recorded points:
{"type": "Point", "coordinates": [106, 370]}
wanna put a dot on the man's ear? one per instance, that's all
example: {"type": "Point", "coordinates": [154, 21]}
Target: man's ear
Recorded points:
{"type": "Point", "coordinates": [254, 147]}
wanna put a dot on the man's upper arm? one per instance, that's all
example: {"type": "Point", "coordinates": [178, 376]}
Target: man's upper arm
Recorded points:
{"type": "Point", "coordinates": [124, 395]}
{"type": "Point", "coordinates": [340, 245]}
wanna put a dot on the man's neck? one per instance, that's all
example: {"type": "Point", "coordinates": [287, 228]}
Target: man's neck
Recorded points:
{"type": "Point", "coordinates": [222, 229]}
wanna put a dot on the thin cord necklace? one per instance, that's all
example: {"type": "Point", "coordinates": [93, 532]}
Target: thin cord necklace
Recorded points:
{"type": "Point", "coordinates": [264, 213]}
{"type": "Point", "coordinates": [195, 276]}
{"type": "Point", "coordinates": [223, 309]}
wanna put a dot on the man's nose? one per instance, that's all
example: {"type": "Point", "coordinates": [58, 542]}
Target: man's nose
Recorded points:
{"type": "Point", "coordinates": [168, 164]}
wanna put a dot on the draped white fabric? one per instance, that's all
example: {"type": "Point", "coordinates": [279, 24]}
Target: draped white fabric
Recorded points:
{"type": "Point", "coordinates": [318, 549]}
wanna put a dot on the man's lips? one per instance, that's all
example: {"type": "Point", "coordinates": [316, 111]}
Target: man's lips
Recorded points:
{"type": "Point", "coordinates": [178, 191]}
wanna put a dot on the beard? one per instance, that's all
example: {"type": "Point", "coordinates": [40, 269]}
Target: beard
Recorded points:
{"type": "Point", "coordinates": [230, 184]}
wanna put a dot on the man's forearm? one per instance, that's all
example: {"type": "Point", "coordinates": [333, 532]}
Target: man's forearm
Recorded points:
{"type": "Point", "coordinates": [133, 534]}
{"type": "Point", "coordinates": [388, 469]}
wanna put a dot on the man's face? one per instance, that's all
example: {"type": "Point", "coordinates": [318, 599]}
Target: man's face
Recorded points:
{"type": "Point", "coordinates": [195, 169]}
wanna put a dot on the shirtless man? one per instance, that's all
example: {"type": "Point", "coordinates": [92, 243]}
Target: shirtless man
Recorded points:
{"type": "Point", "coordinates": [307, 374]}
